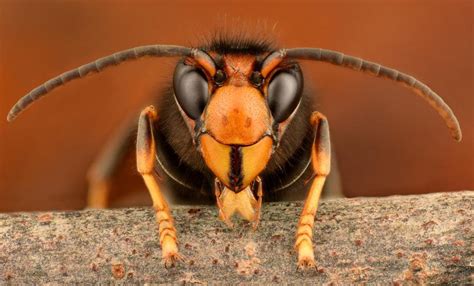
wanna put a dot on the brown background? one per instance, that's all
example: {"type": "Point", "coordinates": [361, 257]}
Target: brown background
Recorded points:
{"type": "Point", "coordinates": [388, 141]}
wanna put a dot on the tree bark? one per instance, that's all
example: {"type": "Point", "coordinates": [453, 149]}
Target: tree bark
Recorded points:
{"type": "Point", "coordinates": [402, 239]}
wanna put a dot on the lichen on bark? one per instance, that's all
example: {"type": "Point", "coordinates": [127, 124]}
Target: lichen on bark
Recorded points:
{"type": "Point", "coordinates": [401, 239]}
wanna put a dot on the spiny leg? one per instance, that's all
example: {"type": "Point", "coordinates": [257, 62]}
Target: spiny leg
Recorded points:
{"type": "Point", "coordinates": [146, 153]}
{"type": "Point", "coordinates": [106, 164]}
{"type": "Point", "coordinates": [321, 162]}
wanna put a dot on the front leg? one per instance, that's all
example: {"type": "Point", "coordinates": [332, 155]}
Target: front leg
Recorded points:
{"type": "Point", "coordinates": [321, 162]}
{"type": "Point", "coordinates": [146, 153]}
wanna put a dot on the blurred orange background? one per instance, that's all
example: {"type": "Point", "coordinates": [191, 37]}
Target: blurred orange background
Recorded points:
{"type": "Point", "coordinates": [387, 140]}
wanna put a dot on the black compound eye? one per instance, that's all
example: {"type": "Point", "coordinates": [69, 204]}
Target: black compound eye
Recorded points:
{"type": "Point", "coordinates": [191, 89]}
{"type": "Point", "coordinates": [284, 93]}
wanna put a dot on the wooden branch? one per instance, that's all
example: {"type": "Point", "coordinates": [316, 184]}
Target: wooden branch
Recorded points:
{"type": "Point", "coordinates": [402, 239]}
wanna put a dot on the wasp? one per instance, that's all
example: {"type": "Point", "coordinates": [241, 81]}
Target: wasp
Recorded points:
{"type": "Point", "coordinates": [236, 124]}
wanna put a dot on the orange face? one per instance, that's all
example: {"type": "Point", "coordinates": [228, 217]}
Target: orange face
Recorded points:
{"type": "Point", "coordinates": [237, 108]}
{"type": "Point", "coordinates": [237, 142]}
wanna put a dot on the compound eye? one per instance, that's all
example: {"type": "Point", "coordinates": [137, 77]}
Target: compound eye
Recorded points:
{"type": "Point", "coordinates": [191, 89]}
{"type": "Point", "coordinates": [284, 93]}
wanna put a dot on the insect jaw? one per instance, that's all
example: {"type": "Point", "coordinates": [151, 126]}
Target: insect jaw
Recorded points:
{"type": "Point", "coordinates": [246, 202]}
{"type": "Point", "coordinates": [236, 166]}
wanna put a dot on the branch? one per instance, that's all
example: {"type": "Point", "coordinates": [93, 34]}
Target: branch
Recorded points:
{"type": "Point", "coordinates": [401, 239]}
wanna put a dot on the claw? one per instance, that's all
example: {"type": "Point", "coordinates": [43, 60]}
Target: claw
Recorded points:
{"type": "Point", "coordinates": [305, 254]}
{"type": "Point", "coordinates": [171, 259]}
{"type": "Point", "coordinates": [306, 262]}
{"type": "Point", "coordinates": [169, 250]}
